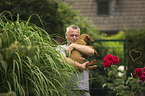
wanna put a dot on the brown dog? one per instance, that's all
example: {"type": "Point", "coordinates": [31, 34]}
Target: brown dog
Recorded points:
{"type": "Point", "coordinates": [84, 39]}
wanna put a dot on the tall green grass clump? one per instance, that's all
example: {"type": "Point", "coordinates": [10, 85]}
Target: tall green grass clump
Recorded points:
{"type": "Point", "coordinates": [29, 63]}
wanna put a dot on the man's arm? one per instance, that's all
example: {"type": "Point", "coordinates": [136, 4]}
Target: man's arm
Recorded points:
{"type": "Point", "coordinates": [82, 48]}
{"type": "Point", "coordinates": [77, 65]}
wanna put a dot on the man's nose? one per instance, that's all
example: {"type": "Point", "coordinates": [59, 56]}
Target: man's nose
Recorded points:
{"type": "Point", "coordinates": [74, 37]}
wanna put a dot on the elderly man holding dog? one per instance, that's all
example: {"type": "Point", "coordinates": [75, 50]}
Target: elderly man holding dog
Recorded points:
{"type": "Point", "coordinates": [81, 86]}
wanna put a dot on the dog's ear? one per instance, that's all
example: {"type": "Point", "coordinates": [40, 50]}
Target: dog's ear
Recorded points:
{"type": "Point", "coordinates": [91, 39]}
{"type": "Point", "coordinates": [88, 39]}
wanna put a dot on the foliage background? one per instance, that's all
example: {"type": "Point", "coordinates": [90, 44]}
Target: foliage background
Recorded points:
{"type": "Point", "coordinates": [100, 75]}
{"type": "Point", "coordinates": [135, 49]}
{"type": "Point", "coordinates": [48, 14]}
{"type": "Point", "coordinates": [135, 41]}
{"type": "Point", "coordinates": [53, 17]}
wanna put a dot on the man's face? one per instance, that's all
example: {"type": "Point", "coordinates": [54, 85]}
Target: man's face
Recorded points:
{"type": "Point", "coordinates": [72, 35]}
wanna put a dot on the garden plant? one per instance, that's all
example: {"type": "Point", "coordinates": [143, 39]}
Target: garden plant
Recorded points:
{"type": "Point", "coordinates": [29, 62]}
{"type": "Point", "coordinates": [132, 83]}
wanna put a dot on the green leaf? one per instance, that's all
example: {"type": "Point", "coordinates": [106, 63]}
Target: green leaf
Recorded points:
{"type": "Point", "coordinates": [8, 94]}
{"type": "Point", "coordinates": [0, 43]}
{"type": "Point", "coordinates": [8, 53]}
{"type": "Point", "coordinates": [1, 57]}
{"type": "Point", "coordinates": [114, 67]}
{"type": "Point", "coordinates": [118, 81]}
{"type": "Point", "coordinates": [4, 65]}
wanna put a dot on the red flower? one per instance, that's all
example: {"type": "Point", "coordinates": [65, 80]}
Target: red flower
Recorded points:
{"type": "Point", "coordinates": [142, 77]}
{"type": "Point", "coordinates": [138, 71]}
{"type": "Point", "coordinates": [144, 69]}
{"type": "Point", "coordinates": [109, 59]}
{"type": "Point", "coordinates": [109, 56]}
{"type": "Point", "coordinates": [115, 60]}
{"type": "Point", "coordinates": [107, 62]}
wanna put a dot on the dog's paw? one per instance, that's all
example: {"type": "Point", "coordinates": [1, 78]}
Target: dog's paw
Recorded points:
{"type": "Point", "coordinates": [92, 62]}
{"type": "Point", "coordinates": [92, 67]}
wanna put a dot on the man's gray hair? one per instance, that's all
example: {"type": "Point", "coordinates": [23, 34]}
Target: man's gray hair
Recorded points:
{"type": "Point", "coordinates": [72, 26]}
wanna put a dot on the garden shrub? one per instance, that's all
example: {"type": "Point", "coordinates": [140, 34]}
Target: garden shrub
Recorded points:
{"type": "Point", "coordinates": [135, 49]}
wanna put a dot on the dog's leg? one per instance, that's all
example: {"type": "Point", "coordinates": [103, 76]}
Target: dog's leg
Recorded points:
{"type": "Point", "coordinates": [77, 56]}
{"type": "Point", "coordinates": [91, 67]}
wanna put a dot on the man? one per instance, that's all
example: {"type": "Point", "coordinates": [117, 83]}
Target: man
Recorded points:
{"type": "Point", "coordinates": [81, 86]}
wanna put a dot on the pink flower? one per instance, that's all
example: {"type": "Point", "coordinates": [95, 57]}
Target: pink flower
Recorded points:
{"type": "Point", "coordinates": [142, 77]}
{"type": "Point", "coordinates": [115, 60]}
{"type": "Point", "coordinates": [138, 71]}
{"type": "Point", "coordinates": [107, 62]}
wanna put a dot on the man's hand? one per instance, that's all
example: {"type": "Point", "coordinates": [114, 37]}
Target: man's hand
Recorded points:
{"type": "Point", "coordinates": [70, 48]}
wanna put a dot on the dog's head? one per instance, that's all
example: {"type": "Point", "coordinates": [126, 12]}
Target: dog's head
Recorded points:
{"type": "Point", "coordinates": [86, 38]}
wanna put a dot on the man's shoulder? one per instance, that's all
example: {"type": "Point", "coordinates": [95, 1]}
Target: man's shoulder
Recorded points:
{"type": "Point", "coordinates": [62, 46]}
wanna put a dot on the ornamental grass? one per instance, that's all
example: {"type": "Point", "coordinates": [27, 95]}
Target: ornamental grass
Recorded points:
{"type": "Point", "coordinates": [30, 65]}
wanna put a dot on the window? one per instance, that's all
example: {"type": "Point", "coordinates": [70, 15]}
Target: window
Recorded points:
{"type": "Point", "coordinates": [103, 7]}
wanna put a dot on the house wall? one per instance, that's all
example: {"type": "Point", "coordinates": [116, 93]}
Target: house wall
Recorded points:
{"type": "Point", "coordinates": [128, 14]}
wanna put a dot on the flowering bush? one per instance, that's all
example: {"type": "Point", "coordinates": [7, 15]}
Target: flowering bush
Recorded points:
{"type": "Point", "coordinates": [109, 59]}
{"type": "Point", "coordinates": [140, 72]}
{"type": "Point", "coordinates": [129, 87]}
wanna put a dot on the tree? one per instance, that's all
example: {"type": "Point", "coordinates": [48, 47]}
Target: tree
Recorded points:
{"type": "Point", "coordinates": [46, 10]}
